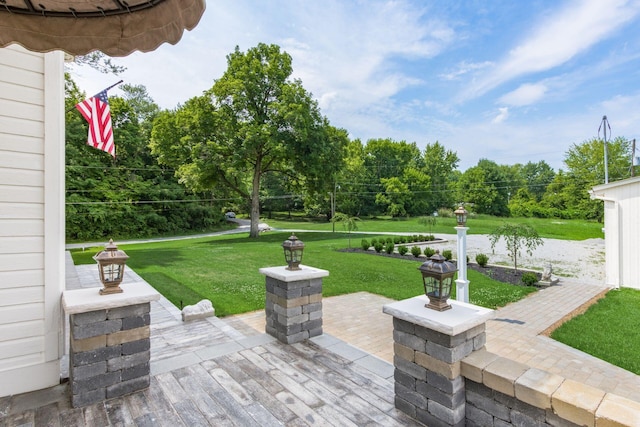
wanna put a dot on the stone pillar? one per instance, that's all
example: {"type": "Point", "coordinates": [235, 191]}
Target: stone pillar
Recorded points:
{"type": "Point", "coordinates": [293, 305]}
{"type": "Point", "coordinates": [428, 348]}
{"type": "Point", "coordinates": [109, 342]}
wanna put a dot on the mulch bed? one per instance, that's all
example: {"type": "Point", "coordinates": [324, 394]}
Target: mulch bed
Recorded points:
{"type": "Point", "coordinates": [499, 273]}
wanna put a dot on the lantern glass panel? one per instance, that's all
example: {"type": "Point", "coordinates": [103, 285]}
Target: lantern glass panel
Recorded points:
{"type": "Point", "coordinates": [437, 276]}
{"type": "Point", "coordinates": [461, 216]}
{"type": "Point", "coordinates": [112, 272]}
{"type": "Point", "coordinates": [111, 263]}
{"type": "Point", "coordinates": [293, 249]}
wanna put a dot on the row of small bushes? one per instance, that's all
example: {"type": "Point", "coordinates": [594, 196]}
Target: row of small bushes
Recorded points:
{"type": "Point", "coordinates": [397, 240]}
{"type": "Point", "coordinates": [389, 247]}
{"type": "Point", "coordinates": [529, 279]}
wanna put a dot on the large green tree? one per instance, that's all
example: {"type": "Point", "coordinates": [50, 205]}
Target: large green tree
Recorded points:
{"type": "Point", "coordinates": [537, 177]}
{"type": "Point", "coordinates": [486, 187]}
{"type": "Point", "coordinates": [254, 120]}
{"type": "Point", "coordinates": [586, 160]}
{"type": "Point", "coordinates": [352, 182]}
{"type": "Point", "coordinates": [568, 194]}
{"type": "Point", "coordinates": [440, 164]}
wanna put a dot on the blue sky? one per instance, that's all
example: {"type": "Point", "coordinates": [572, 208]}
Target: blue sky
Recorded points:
{"type": "Point", "coordinates": [511, 81]}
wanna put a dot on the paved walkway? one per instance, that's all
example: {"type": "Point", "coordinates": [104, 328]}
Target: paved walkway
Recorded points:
{"type": "Point", "coordinates": [515, 332]}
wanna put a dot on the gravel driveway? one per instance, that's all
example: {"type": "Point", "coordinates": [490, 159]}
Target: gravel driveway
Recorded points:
{"type": "Point", "coordinates": [581, 261]}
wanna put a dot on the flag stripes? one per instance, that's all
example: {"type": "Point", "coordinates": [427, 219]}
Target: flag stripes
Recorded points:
{"type": "Point", "coordinates": [96, 112]}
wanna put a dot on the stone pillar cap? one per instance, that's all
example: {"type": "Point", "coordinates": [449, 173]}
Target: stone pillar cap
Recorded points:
{"type": "Point", "coordinates": [462, 316]}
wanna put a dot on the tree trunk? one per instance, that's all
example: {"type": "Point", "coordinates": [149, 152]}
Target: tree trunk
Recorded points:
{"type": "Point", "coordinates": [255, 200]}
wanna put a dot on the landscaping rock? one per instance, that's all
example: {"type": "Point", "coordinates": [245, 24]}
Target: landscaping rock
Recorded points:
{"type": "Point", "coordinates": [198, 311]}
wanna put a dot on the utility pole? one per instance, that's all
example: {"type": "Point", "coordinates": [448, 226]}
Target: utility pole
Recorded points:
{"type": "Point", "coordinates": [333, 211]}
{"type": "Point", "coordinates": [333, 204]}
{"type": "Point", "coordinates": [633, 157]}
{"type": "Point", "coordinates": [606, 160]}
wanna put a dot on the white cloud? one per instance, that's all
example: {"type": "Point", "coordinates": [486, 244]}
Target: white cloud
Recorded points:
{"type": "Point", "coordinates": [502, 115]}
{"type": "Point", "coordinates": [464, 68]}
{"type": "Point", "coordinates": [348, 53]}
{"type": "Point", "coordinates": [526, 94]}
{"type": "Point", "coordinates": [555, 40]}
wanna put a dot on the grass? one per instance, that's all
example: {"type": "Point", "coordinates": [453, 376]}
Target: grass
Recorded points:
{"type": "Point", "coordinates": [224, 269]}
{"type": "Point", "coordinates": [565, 229]}
{"type": "Point", "coordinates": [607, 330]}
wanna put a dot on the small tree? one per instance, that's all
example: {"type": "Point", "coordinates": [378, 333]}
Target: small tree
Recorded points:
{"type": "Point", "coordinates": [427, 221]}
{"type": "Point", "coordinates": [517, 237]}
{"type": "Point", "coordinates": [349, 223]}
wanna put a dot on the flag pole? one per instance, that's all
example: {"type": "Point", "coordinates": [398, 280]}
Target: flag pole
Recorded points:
{"type": "Point", "coordinates": [112, 86]}
{"type": "Point", "coordinates": [104, 90]}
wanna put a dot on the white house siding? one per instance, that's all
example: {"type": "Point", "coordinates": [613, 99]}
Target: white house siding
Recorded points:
{"type": "Point", "coordinates": [31, 218]}
{"type": "Point", "coordinates": [622, 231]}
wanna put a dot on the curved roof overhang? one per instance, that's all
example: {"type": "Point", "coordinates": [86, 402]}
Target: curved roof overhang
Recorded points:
{"type": "Point", "coordinates": [114, 27]}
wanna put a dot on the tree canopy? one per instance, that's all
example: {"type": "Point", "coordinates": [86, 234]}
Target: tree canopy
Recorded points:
{"type": "Point", "coordinates": [257, 141]}
{"type": "Point", "coordinates": [130, 195]}
{"type": "Point", "coordinates": [254, 120]}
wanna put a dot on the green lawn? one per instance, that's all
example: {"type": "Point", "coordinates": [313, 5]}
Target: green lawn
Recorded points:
{"type": "Point", "coordinates": [565, 229]}
{"type": "Point", "coordinates": [608, 330]}
{"type": "Point", "coordinates": [224, 269]}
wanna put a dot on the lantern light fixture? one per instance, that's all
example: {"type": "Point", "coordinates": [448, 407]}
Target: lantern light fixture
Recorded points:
{"type": "Point", "coordinates": [461, 216]}
{"type": "Point", "coordinates": [437, 277]}
{"type": "Point", "coordinates": [111, 262]}
{"type": "Point", "coordinates": [293, 249]}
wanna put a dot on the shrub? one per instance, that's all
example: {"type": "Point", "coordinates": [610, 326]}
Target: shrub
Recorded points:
{"type": "Point", "coordinates": [389, 248]}
{"type": "Point", "coordinates": [397, 240]}
{"type": "Point", "coordinates": [445, 213]}
{"type": "Point", "coordinates": [374, 241]}
{"type": "Point", "coordinates": [364, 243]}
{"type": "Point", "coordinates": [402, 250]}
{"type": "Point", "coordinates": [447, 254]}
{"type": "Point", "coordinates": [378, 247]}
{"type": "Point", "coordinates": [416, 251]}
{"type": "Point", "coordinates": [415, 238]}
{"type": "Point", "coordinates": [431, 238]}
{"type": "Point", "coordinates": [482, 260]}
{"type": "Point", "coordinates": [389, 240]}
{"type": "Point", "coordinates": [403, 239]}
{"type": "Point", "coordinates": [529, 278]}
{"type": "Point", "coordinates": [422, 238]}
{"type": "Point", "coordinates": [429, 251]}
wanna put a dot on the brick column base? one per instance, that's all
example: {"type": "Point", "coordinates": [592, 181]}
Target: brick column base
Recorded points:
{"type": "Point", "coordinates": [293, 305]}
{"type": "Point", "coordinates": [110, 352]}
{"type": "Point", "coordinates": [109, 348]}
{"type": "Point", "coordinates": [428, 348]}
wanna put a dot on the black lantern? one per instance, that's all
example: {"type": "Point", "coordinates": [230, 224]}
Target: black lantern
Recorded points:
{"type": "Point", "coordinates": [461, 216]}
{"type": "Point", "coordinates": [437, 276]}
{"type": "Point", "coordinates": [293, 249]}
{"type": "Point", "coordinates": [111, 262]}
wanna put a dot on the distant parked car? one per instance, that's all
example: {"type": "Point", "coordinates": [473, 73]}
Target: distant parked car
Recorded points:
{"type": "Point", "coordinates": [230, 215]}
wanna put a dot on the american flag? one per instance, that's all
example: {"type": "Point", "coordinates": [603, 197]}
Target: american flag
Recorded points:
{"type": "Point", "coordinates": [96, 111]}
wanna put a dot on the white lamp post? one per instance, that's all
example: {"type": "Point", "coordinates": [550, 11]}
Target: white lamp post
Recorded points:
{"type": "Point", "coordinates": [462, 284]}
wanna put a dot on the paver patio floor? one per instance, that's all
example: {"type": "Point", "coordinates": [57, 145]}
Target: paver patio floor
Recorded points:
{"type": "Point", "coordinates": [228, 372]}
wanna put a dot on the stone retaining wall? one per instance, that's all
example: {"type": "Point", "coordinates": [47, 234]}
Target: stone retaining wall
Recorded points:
{"type": "Point", "coordinates": [502, 392]}
{"type": "Point", "coordinates": [444, 376]}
